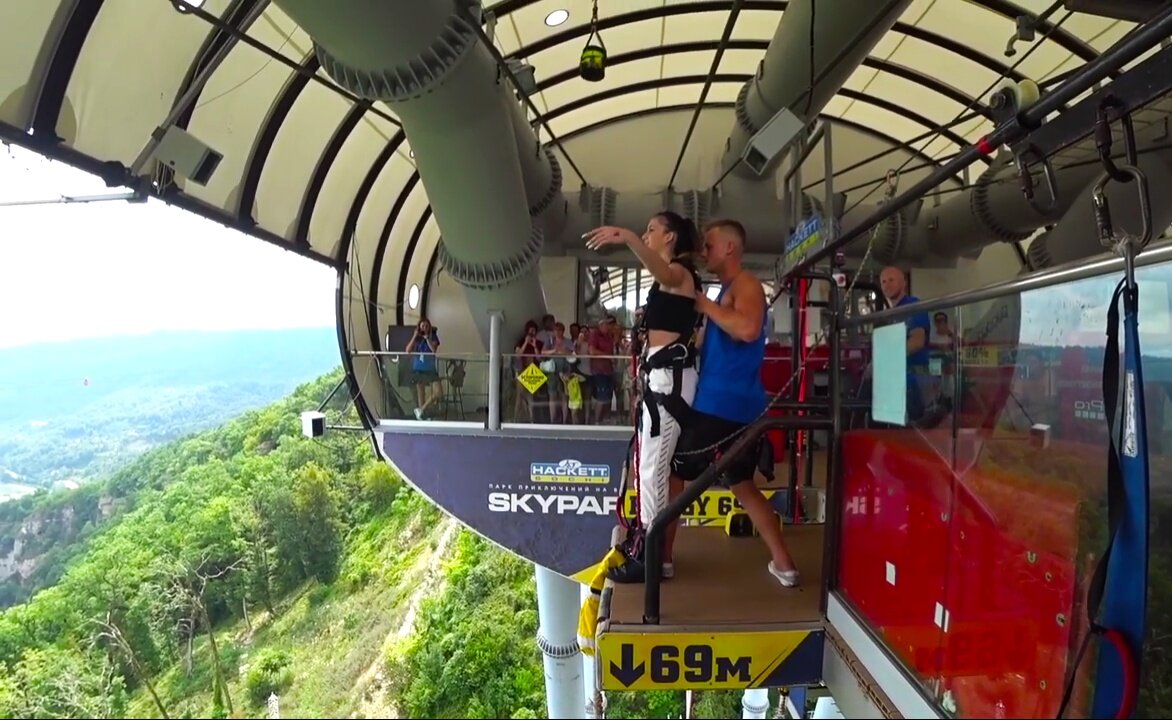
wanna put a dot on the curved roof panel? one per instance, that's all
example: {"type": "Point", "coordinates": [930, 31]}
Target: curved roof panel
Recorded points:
{"type": "Point", "coordinates": [312, 168]}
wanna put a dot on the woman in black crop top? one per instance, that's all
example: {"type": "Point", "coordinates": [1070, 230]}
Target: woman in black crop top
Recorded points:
{"type": "Point", "coordinates": [667, 366]}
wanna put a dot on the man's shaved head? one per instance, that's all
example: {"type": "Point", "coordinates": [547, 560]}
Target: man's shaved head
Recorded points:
{"type": "Point", "coordinates": [893, 282]}
{"type": "Point", "coordinates": [724, 243]}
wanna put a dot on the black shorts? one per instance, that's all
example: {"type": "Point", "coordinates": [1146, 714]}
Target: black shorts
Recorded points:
{"type": "Point", "coordinates": [701, 431]}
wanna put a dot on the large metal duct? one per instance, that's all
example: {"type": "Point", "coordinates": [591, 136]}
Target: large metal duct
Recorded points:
{"type": "Point", "coordinates": [1075, 237]}
{"type": "Point", "coordinates": [424, 58]}
{"type": "Point", "coordinates": [842, 35]}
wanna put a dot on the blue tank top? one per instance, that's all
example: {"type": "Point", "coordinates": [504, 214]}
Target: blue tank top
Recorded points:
{"type": "Point", "coordinates": [730, 375]}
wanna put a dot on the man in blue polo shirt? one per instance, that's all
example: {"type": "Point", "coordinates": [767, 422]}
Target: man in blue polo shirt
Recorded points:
{"type": "Point", "coordinates": [893, 283]}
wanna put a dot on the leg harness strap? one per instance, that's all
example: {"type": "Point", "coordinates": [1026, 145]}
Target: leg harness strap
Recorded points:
{"type": "Point", "coordinates": [678, 358]}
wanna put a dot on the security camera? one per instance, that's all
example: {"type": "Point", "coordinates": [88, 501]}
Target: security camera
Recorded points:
{"type": "Point", "coordinates": [313, 424]}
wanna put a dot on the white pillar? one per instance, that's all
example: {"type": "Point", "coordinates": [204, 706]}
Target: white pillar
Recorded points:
{"type": "Point", "coordinates": [595, 701]}
{"type": "Point", "coordinates": [495, 369]}
{"type": "Point", "coordinates": [557, 636]}
{"type": "Point", "coordinates": [755, 703]}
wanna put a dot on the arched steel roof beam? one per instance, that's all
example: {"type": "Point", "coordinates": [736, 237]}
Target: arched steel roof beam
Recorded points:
{"type": "Point", "coordinates": [321, 171]}
{"type": "Point", "coordinates": [49, 102]}
{"type": "Point", "coordinates": [1005, 9]}
{"type": "Point", "coordinates": [902, 71]}
{"type": "Point", "coordinates": [741, 78]}
{"type": "Point", "coordinates": [254, 166]}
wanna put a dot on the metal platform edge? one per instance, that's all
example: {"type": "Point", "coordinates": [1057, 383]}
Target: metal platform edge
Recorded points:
{"type": "Point", "coordinates": [861, 684]}
{"type": "Point", "coordinates": [861, 675]}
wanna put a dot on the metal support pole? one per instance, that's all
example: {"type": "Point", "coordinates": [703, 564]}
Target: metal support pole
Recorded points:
{"type": "Point", "coordinates": [829, 219]}
{"type": "Point", "coordinates": [807, 146]}
{"type": "Point", "coordinates": [557, 637]}
{"type": "Point", "coordinates": [495, 368]}
{"type": "Point", "coordinates": [833, 449]}
{"type": "Point", "coordinates": [195, 88]}
{"type": "Point", "coordinates": [800, 152]}
{"type": "Point", "coordinates": [792, 437]}
{"type": "Point", "coordinates": [1010, 133]}
{"type": "Point", "coordinates": [755, 703]}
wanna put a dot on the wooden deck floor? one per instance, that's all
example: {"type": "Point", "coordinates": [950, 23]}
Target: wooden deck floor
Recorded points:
{"type": "Point", "coordinates": [720, 580]}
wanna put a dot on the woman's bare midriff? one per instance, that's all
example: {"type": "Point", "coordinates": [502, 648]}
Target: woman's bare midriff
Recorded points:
{"type": "Point", "coordinates": [660, 338]}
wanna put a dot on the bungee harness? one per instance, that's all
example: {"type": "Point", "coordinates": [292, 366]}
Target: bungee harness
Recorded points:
{"type": "Point", "coordinates": [676, 357]}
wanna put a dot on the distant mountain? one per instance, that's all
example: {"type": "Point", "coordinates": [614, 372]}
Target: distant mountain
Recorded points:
{"type": "Point", "coordinates": [70, 411]}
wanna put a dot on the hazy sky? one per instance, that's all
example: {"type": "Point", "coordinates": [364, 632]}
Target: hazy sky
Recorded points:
{"type": "Point", "coordinates": [114, 268]}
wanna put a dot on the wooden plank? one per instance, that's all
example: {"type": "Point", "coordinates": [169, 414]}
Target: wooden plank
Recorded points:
{"type": "Point", "coordinates": [721, 580]}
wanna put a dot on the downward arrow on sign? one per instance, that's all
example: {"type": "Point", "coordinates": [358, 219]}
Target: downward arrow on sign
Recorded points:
{"type": "Point", "coordinates": [628, 672]}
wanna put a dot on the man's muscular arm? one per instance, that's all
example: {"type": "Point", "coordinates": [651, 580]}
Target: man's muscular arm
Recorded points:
{"type": "Point", "coordinates": [742, 320]}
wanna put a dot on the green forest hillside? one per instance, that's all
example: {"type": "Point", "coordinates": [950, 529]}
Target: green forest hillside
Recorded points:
{"type": "Point", "coordinates": [249, 565]}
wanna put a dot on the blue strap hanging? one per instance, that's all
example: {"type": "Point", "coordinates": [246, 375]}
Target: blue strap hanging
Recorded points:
{"type": "Point", "coordinates": [1117, 596]}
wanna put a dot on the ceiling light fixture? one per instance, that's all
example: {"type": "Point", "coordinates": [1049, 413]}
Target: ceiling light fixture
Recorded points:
{"type": "Point", "coordinates": [557, 17]}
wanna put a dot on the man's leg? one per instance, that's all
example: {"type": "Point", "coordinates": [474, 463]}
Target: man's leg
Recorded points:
{"type": "Point", "coordinates": [764, 518]}
{"type": "Point", "coordinates": [767, 522]}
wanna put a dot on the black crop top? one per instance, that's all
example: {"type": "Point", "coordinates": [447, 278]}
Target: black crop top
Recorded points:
{"type": "Point", "coordinates": [669, 312]}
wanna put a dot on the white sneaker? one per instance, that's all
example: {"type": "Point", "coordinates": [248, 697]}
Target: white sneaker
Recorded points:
{"type": "Point", "coordinates": [418, 414]}
{"type": "Point", "coordinates": [788, 578]}
{"type": "Point", "coordinates": [669, 571]}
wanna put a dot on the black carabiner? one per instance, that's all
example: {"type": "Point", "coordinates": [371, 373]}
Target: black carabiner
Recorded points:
{"type": "Point", "coordinates": [1026, 175]}
{"type": "Point", "coordinates": [1107, 235]}
{"type": "Point", "coordinates": [1104, 139]}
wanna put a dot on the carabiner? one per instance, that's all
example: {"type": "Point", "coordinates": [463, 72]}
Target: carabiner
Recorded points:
{"type": "Point", "coordinates": [891, 182]}
{"type": "Point", "coordinates": [1026, 175]}
{"type": "Point", "coordinates": [1104, 140]}
{"type": "Point", "coordinates": [1107, 235]}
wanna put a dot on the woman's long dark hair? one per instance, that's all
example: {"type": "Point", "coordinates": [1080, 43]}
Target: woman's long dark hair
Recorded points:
{"type": "Point", "coordinates": [687, 237]}
{"type": "Point", "coordinates": [687, 243]}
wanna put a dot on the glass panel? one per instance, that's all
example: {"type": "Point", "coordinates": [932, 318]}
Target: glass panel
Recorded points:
{"type": "Point", "coordinates": [969, 538]}
{"type": "Point", "coordinates": [897, 498]}
{"type": "Point", "coordinates": [429, 388]}
{"type": "Point", "coordinates": [1029, 518]}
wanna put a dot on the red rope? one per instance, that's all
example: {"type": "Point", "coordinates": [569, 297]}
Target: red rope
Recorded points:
{"type": "Point", "coordinates": [1130, 679]}
{"type": "Point", "coordinates": [803, 353]}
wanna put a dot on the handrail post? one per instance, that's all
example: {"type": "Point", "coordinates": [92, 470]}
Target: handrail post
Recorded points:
{"type": "Point", "coordinates": [832, 496]}
{"type": "Point", "coordinates": [495, 368]}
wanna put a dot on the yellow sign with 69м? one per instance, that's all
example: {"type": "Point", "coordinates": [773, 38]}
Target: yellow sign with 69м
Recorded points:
{"type": "Point", "coordinates": [708, 661]}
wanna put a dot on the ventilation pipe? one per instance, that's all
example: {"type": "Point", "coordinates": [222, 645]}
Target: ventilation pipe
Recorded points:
{"type": "Point", "coordinates": [460, 114]}
{"type": "Point", "coordinates": [1075, 237]}
{"type": "Point", "coordinates": [995, 209]}
{"type": "Point", "coordinates": [841, 34]}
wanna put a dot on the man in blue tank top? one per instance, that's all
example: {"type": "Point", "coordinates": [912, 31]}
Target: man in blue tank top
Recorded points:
{"type": "Point", "coordinates": [729, 394]}
{"type": "Point", "coordinates": [893, 283]}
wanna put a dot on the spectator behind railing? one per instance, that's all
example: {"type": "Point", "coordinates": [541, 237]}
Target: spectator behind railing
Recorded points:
{"type": "Point", "coordinates": [602, 342]}
{"type": "Point", "coordinates": [424, 345]}
{"type": "Point", "coordinates": [528, 352]}
{"type": "Point", "coordinates": [556, 348]}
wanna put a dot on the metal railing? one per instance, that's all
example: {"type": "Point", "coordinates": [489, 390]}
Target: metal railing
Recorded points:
{"type": "Point", "coordinates": [1157, 252]}
{"type": "Point", "coordinates": [1008, 133]}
